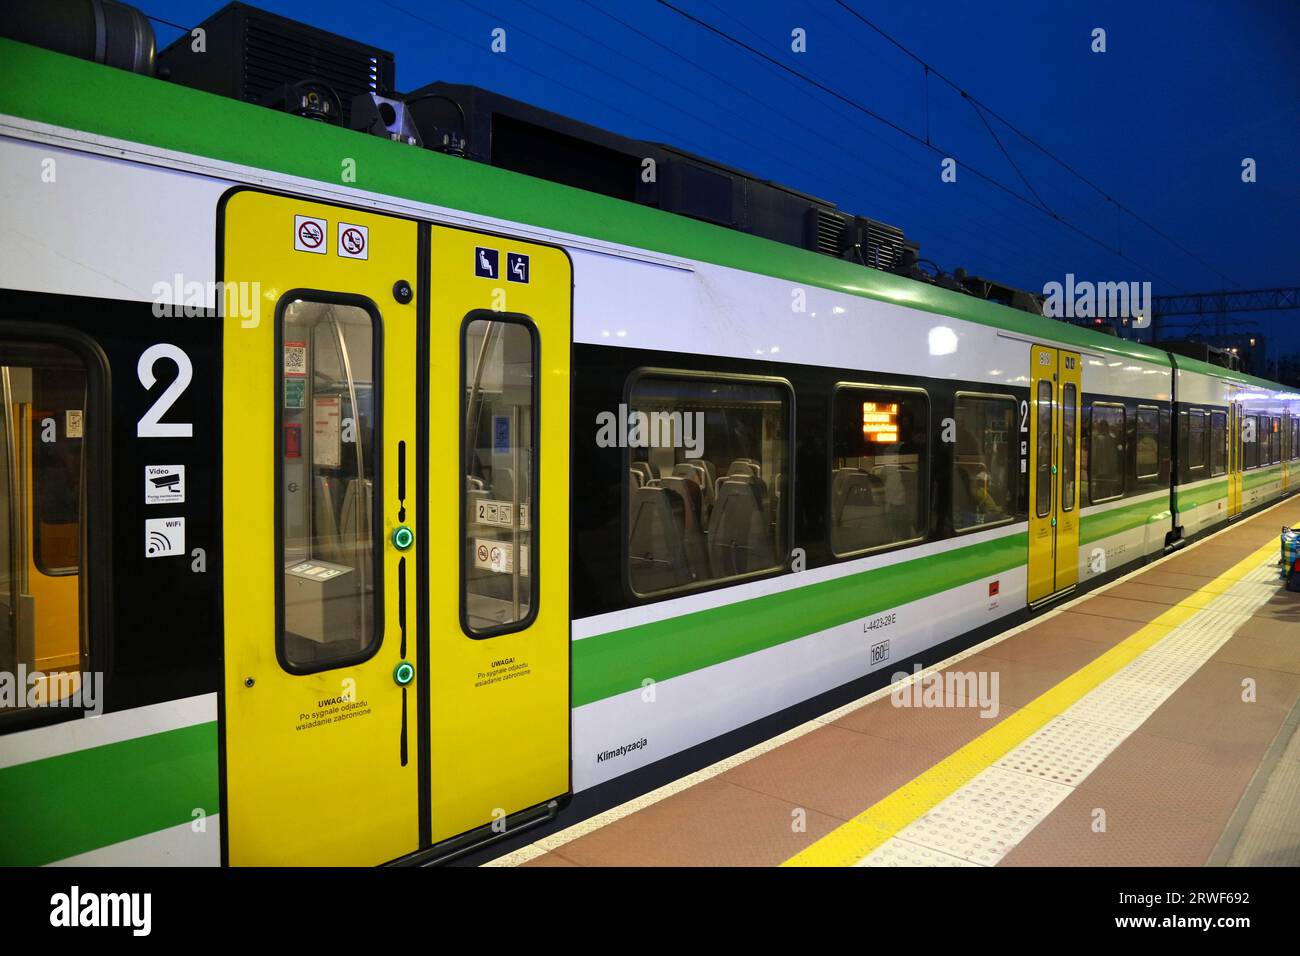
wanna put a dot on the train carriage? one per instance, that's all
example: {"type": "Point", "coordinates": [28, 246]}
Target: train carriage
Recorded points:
{"type": "Point", "coordinates": [368, 504]}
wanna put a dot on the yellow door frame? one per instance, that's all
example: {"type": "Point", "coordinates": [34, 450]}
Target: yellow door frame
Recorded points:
{"type": "Point", "coordinates": [1236, 457]}
{"type": "Point", "coordinates": [1053, 564]}
{"type": "Point", "coordinates": [309, 779]}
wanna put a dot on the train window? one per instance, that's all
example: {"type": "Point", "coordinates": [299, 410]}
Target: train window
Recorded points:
{"type": "Point", "coordinates": [1218, 443]}
{"type": "Point", "coordinates": [1197, 444]}
{"type": "Point", "coordinates": [1251, 447]}
{"type": "Point", "coordinates": [879, 468]}
{"type": "Point", "coordinates": [1295, 438]}
{"type": "Point", "coordinates": [1069, 414]}
{"type": "Point", "coordinates": [1275, 439]}
{"type": "Point", "coordinates": [1043, 453]}
{"type": "Point", "coordinates": [707, 479]}
{"type": "Point", "coordinates": [43, 484]}
{"type": "Point", "coordinates": [501, 420]}
{"type": "Point", "coordinates": [984, 461]}
{"type": "Point", "coordinates": [1105, 451]}
{"type": "Point", "coordinates": [1148, 442]}
{"type": "Point", "coordinates": [331, 611]}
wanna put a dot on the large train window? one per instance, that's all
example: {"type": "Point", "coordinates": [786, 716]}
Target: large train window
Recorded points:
{"type": "Point", "coordinates": [1218, 443]}
{"type": "Point", "coordinates": [43, 483]}
{"type": "Point", "coordinates": [707, 479]}
{"type": "Point", "coordinates": [1251, 448]}
{"type": "Point", "coordinates": [330, 613]}
{"type": "Point", "coordinates": [1148, 442]}
{"type": "Point", "coordinates": [984, 461]}
{"type": "Point", "coordinates": [1197, 445]}
{"type": "Point", "coordinates": [879, 468]}
{"type": "Point", "coordinates": [1105, 451]}
{"type": "Point", "coordinates": [499, 356]}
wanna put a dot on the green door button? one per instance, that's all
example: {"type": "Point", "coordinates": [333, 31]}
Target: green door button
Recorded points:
{"type": "Point", "coordinates": [402, 537]}
{"type": "Point", "coordinates": [403, 673]}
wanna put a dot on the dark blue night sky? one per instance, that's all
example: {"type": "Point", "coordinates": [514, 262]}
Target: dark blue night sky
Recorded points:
{"type": "Point", "coordinates": [1162, 120]}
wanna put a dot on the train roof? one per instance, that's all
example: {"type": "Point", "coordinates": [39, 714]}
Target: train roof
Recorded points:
{"type": "Point", "coordinates": [48, 87]}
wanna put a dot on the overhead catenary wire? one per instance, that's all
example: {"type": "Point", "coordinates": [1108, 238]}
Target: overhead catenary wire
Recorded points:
{"type": "Point", "coordinates": [903, 131]}
{"type": "Point", "coordinates": [984, 107]}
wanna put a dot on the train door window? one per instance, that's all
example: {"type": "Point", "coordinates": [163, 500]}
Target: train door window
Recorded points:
{"type": "Point", "coordinates": [1166, 462]}
{"type": "Point", "coordinates": [500, 357]}
{"type": "Point", "coordinates": [1106, 451]}
{"type": "Point", "coordinates": [1069, 414]}
{"type": "Point", "coordinates": [712, 456]}
{"type": "Point", "coordinates": [330, 611]}
{"type": "Point", "coordinates": [1274, 440]}
{"type": "Point", "coordinates": [1148, 442]}
{"type": "Point", "coordinates": [1197, 444]}
{"type": "Point", "coordinates": [879, 468]}
{"type": "Point", "coordinates": [1044, 457]}
{"type": "Point", "coordinates": [1295, 438]}
{"type": "Point", "coordinates": [1218, 443]}
{"type": "Point", "coordinates": [1252, 424]}
{"type": "Point", "coordinates": [43, 491]}
{"type": "Point", "coordinates": [984, 461]}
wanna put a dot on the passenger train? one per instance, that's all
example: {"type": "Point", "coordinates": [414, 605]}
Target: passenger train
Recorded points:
{"type": "Point", "coordinates": [369, 504]}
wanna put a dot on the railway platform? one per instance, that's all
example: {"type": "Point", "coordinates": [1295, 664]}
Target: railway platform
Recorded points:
{"type": "Point", "coordinates": [1151, 722]}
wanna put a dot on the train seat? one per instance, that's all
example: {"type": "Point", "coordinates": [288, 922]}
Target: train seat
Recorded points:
{"type": "Point", "coordinates": [738, 535]}
{"type": "Point", "coordinates": [693, 535]}
{"type": "Point", "coordinates": [656, 552]}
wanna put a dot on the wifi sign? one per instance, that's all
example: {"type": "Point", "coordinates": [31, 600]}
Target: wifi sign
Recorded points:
{"type": "Point", "coordinates": [164, 537]}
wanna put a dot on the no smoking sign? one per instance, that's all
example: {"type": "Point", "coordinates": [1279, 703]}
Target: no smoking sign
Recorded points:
{"type": "Point", "coordinates": [354, 241]}
{"type": "Point", "coordinates": [309, 234]}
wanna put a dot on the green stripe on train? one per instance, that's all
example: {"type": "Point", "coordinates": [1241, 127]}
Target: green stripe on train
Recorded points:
{"type": "Point", "coordinates": [1094, 527]}
{"type": "Point", "coordinates": [608, 664]}
{"type": "Point", "coordinates": [61, 806]}
{"type": "Point", "coordinates": [1189, 498]}
{"type": "Point", "coordinates": [1261, 476]}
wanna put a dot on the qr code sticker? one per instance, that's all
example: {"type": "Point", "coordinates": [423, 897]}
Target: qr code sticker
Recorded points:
{"type": "Point", "coordinates": [295, 358]}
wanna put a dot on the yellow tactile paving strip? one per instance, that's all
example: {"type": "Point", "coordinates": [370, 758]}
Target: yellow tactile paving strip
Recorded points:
{"type": "Point", "coordinates": [833, 790]}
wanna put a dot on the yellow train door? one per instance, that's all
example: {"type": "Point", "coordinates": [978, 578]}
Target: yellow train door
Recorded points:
{"type": "Point", "coordinates": [1285, 439]}
{"type": "Point", "coordinates": [1236, 458]}
{"type": "Point", "coordinates": [1053, 473]}
{"type": "Point", "coordinates": [320, 447]}
{"type": "Point", "coordinates": [498, 533]}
